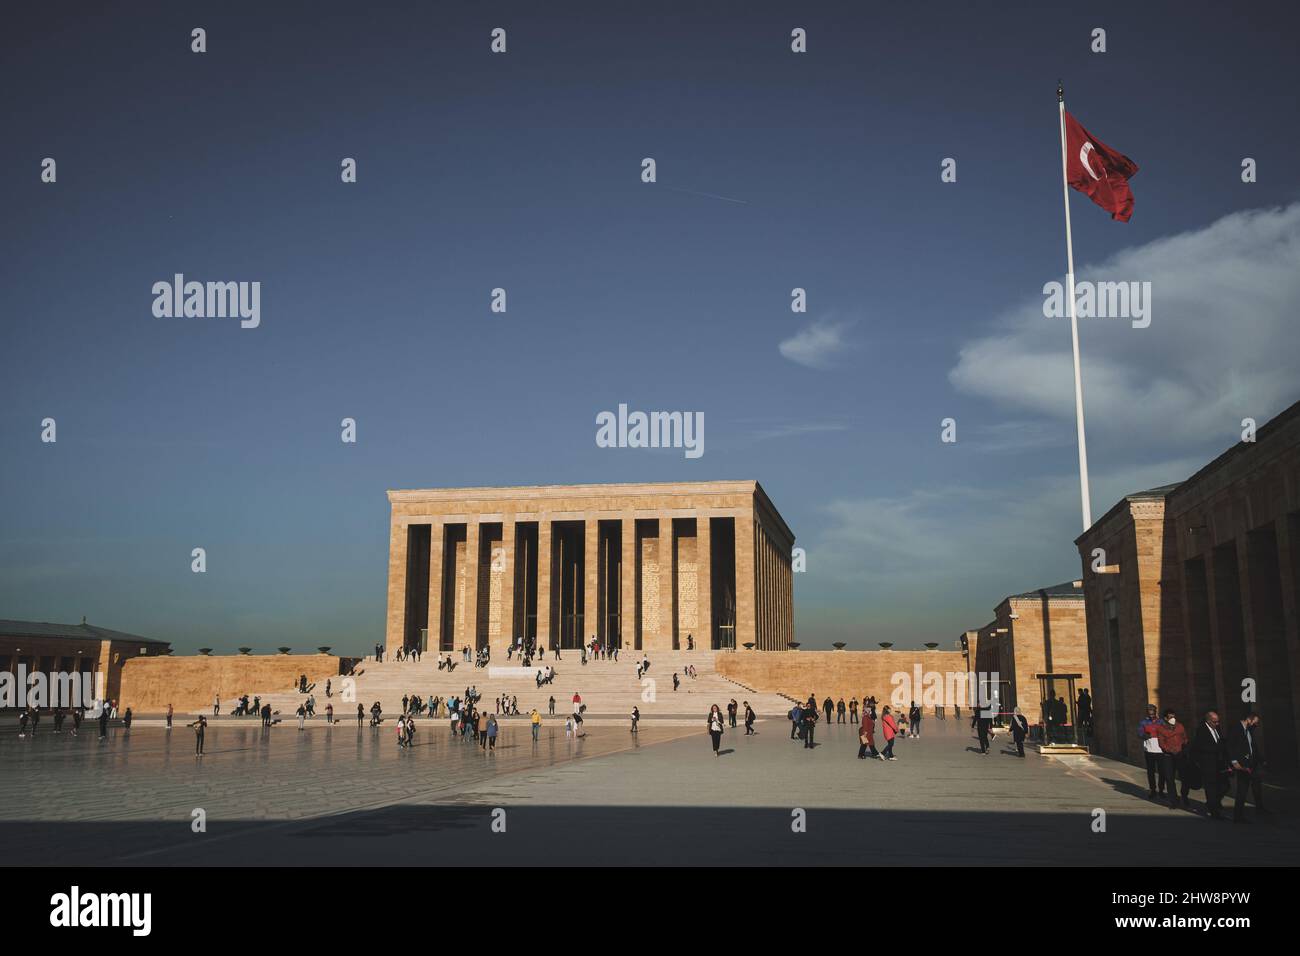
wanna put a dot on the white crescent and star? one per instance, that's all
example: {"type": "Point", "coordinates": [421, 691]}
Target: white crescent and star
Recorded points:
{"type": "Point", "coordinates": [1084, 150]}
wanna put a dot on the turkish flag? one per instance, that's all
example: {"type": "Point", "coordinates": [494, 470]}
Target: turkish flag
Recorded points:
{"type": "Point", "coordinates": [1095, 169]}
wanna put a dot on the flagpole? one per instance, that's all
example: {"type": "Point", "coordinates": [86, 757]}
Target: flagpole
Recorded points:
{"type": "Point", "coordinates": [1074, 325]}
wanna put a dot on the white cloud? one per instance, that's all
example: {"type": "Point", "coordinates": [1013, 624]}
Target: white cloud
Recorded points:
{"type": "Point", "coordinates": [817, 344]}
{"type": "Point", "coordinates": [962, 546]}
{"type": "Point", "coordinates": [1223, 343]}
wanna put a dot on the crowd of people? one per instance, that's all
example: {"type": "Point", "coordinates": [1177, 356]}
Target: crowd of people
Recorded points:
{"type": "Point", "coordinates": [1223, 760]}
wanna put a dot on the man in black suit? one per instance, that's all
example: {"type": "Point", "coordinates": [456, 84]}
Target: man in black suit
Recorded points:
{"type": "Point", "coordinates": [1210, 753]}
{"type": "Point", "coordinates": [1247, 765]}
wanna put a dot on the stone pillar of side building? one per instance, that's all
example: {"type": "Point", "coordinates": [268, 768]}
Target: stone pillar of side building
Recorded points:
{"type": "Point", "coordinates": [437, 542]}
{"type": "Point", "coordinates": [627, 609]}
{"type": "Point", "coordinates": [396, 624]}
{"type": "Point", "coordinates": [746, 611]}
{"type": "Point", "coordinates": [591, 580]}
{"type": "Point", "coordinates": [667, 608]}
{"type": "Point", "coordinates": [467, 629]}
{"type": "Point", "coordinates": [1290, 613]}
{"type": "Point", "coordinates": [505, 634]}
{"type": "Point", "coordinates": [703, 584]}
{"type": "Point", "coordinates": [544, 581]}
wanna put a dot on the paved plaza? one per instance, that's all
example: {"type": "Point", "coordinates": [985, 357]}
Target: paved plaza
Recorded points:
{"type": "Point", "coordinates": [346, 795]}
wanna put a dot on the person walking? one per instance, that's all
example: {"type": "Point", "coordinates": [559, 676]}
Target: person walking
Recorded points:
{"type": "Point", "coordinates": [103, 721]}
{"type": "Point", "coordinates": [1210, 755]}
{"type": "Point", "coordinates": [169, 717]}
{"type": "Point", "coordinates": [492, 733]}
{"type": "Point", "coordinates": [216, 706]}
{"type": "Point", "coordinates": [1019, 731]}
{"type": "Point", "coordinates": [636, 718]}
{"type": "Point", "coordinates": [1247, 765]}
{"type": "Point", "coordinates": [749, 720]}
{"type": "Point", "coordinates": [914, 720]}
{"type": "Point", "coordinates": [1173, 756]}
{"type": "Point", "coordinates": [1150, 740]}
{"type": "Point", "coordinates": [716, 725]}
{"type": "Point", "coordinates": [302, 716]}
{"type": "Point", "coordinates": [867, 737]}
{"type": "Point", "coordinates": [809, 726]}
{"type": "Point", "coordinates": [891, 731]}
{"type": "Point", "coordinates": [536, 720]}
{"type": "Point", "coordinates": [200, 730]}
{"type": "Point", "coordinates": [982, 722]}
{"type": "Point", "coordinates": [796, 721]}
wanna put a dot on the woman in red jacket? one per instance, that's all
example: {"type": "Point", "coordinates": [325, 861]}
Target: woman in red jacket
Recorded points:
{"type": "Point", "coordinates": [891, 731]}
{"type": "Point", "coordinates": [867, 737]}
{"type": "Point", "coordinates": [1173, 755]}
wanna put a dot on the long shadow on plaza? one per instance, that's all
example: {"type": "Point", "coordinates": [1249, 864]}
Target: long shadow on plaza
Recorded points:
{"type": "Point", "coordinates": [420, 835]}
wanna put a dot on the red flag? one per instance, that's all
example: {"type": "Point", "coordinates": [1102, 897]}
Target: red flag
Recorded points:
{"type": "Point", "coordinates": [1094, 168]}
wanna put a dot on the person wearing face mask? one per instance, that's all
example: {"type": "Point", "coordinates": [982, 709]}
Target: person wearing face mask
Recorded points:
{"type": "Point", "coordinates": [1173, 756]}
{"type": "Point", "coordinates": [1151, 750]}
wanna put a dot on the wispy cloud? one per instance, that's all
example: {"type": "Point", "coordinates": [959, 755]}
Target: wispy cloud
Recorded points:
{"type": "Point", "coordinates": [818, 344]}
{"type": "Point", "coordinates": [795, 429]}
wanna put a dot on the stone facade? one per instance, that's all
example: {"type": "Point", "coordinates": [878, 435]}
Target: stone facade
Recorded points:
{"type": "Point", "coordinates": [74, 649]}
{"type": "Point", "coordinates": [149, 684]}
{"type": "Point", "coordinates": [1193, 600]}
{"type": "Point", "coordinates": [1038, 632]}
{"type": "Point", "coordinates": [643, 566]}
{"type": "Point", "coordinates": [848, 674]}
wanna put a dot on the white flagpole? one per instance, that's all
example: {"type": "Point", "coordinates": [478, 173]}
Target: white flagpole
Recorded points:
{"type": "Point", "coordinates": [1074, 326]}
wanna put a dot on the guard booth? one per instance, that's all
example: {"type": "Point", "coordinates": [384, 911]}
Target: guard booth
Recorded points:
{"type": "Point", "coordinates": [1057, 714]}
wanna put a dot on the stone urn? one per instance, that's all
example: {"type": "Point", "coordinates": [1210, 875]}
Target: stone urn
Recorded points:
{"type": "Point", "coordinates": [245, 650]}
{"type": "Point", "coordinates": [748, 645]}
{"type": "Point", "coordinates": [931, 645]}
{"type": "Point", "coordinates": [839, 645]}
{"type": "Point", "coordinates": [793, 645]}
{"type": "Point", "coordinates": [205, 651]}
{"type": "Point", "coordinates": [886, 645]}
{"type": "Point", "coordinates": [323, 650]}
{"type": "Point", "coordinates": [284, 650]}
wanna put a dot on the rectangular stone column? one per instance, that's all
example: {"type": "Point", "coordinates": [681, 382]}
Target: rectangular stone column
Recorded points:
{"type": "Point", "coordinates": [703, 584]}
{"type": "Point", "coordinates": [544, 581]}
{"type": "Point", "coordinates": [746, 630]}
{"type": "Point", "coordinates": [1290, 609]}
{"type": "Point", "coordinates": [667, 608]}
{"type": "Point", "coordinates": [506, 635]}
{"type": "Point", "coordinates": [437, 536]}
{"type": "Point", "coordinates": [627, 594]}
{"type": "Point", "coordinates": [396, 624]}
{"type": "Point", "coordinates": [591, 579]}
{"type": "Point", "coordinates": [469, 626]}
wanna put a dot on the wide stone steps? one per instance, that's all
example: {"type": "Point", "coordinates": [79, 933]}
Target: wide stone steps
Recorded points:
{"type": "Point", "coordinates": [607, 687]}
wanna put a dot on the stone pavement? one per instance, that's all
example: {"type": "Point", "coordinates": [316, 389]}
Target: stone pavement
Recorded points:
{"type": "Point", "coordinates": [343, 796]}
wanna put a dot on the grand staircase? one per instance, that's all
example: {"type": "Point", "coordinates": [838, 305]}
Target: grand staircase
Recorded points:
{"type": "Point", "coordinates": [608, 688]}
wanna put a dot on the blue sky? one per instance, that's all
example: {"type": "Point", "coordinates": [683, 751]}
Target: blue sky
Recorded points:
{"type": "Point", "coordinates": [522, 171]}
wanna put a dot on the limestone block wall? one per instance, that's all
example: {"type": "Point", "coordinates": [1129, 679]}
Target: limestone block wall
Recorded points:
{"type": "Point", "coordinates": [837, 674]}
{"type": "Point", "coordinates": [149, 684]}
